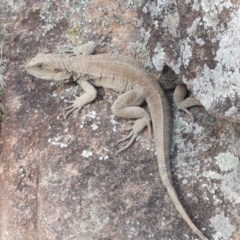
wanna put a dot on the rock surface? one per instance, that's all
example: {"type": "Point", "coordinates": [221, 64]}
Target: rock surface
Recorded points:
{"type": "Point", "coordinates": [60, 179]}
{"type": "Point", "coordinates": [200, 41]}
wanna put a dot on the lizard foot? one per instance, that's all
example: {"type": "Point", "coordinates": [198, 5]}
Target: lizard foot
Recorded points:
{"type": "Point", "coordinates": [85, 49]}
{"type": "Point", "coordinates": [75, 105]}
{"type": "Point", "coordinates": [138, 126]}
{"type": "Point", "coordinates": [188, 113]}
{"type": "Point", "coordinates": [182, 102]}
{"type": "Point", "coordinates": [189, 102]}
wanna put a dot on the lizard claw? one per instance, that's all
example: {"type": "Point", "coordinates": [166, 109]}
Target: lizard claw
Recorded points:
{"type": "Point", "coordinates": [68, 112]}
{"type": "Point", "coordinates": [138, 126]}
{"type": "Point", "coordinates": [85, 49]}
{"type": "Point", "coordinates": [76, 105]}
{"type": "Point", "coordinates": [188, 113]}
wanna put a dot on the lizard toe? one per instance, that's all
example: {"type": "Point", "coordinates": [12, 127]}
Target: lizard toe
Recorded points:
{"type": "Point", "coordinates": [138, 126]}
{"type": "Point", "coordinates": [71, 109]}
{"type": "Point", "coordinates": [130, 142]}
{"type": "Point", "coordinates": [188, 113]}
{"type": "Point", "coordinates": [125, 138]}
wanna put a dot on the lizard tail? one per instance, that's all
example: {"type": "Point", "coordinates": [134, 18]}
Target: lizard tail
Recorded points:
{"type": "Point", "coordinates": [162, 126]}
{"type": "Point", "coordinates": [172, 193]}
{"type": "Point", "coordinates": [166, 176]}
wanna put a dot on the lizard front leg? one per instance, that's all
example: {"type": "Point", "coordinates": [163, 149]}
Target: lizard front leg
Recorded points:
{"type": "Point", "coordinates": [85, 49]}
{"type": "Point", "coordinates": [127, 106]}
{"type": "Point", "coordinates": [77, 104]}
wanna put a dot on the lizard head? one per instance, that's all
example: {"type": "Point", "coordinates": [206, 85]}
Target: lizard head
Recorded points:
{"type": "Point", "coordinates": [49, 67]}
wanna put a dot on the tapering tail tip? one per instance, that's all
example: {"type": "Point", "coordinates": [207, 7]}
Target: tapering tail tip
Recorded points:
{"type": "Point", "coordinates": [202, 237]}
{"type": "Point", "coordinates": [172, 193]}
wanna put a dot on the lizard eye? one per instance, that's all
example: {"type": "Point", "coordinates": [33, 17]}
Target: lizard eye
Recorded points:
{"type": "Point", "coordinates": [56, 70]}
{"type": "Point", "coordinates": [39, 65]}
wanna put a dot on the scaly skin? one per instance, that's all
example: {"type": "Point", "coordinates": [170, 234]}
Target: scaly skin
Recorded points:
{"type": "Point", "coordinates": [123, 75]}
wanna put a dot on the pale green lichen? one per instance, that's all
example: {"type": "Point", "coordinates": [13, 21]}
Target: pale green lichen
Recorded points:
{"type": "Point", "coordinates": [104, 158]}
{"type": "Point", "coordinates": [171, 20]}
{"type": "Point", "coordinates": [94, 126]}
{"type": "Point", "coordinates": [212, 175]}
{"type": "Point", "coordinates": [74, 34]}
{"type": "Point", "coordinates": [56, 141]}
{"type": "Point", "coordinates": [188, 151]}
{"type": "Point", "coordinates": [52, 18]}
{"type": "Point", "coordinates": [229, 180]}
{"type": "Point", "coordinates": [193, 29]}
{"type": "Point", "coordinates": [230, 186]}
{"type": "Point", "coordinates": [215, 84]}
{"type": "Point", "coordinates": [114, 123]}
{"type": "Point", "coordinates": [49, 18]}
{"type": "Point", "coordinates": [227, 161]}
{"type": "Point", "coordinates": [140, 46]}
{"type": "Point", "coordinates": [221, 82]}
{"type": "Point", "coordinates": [231, 111]}
{"type": "Point", "coordinates": [158, 57]}
{"type": "Point", "coordinates": [223, 227]}
{"type": "Point", "coordinates": [87, 153]}
{"type": "Point", "coordinates": [89, 117]}
{"type": "Point", "coordinates": [212, 9]}
{"type": "Point", "coordinates": [133, 4]}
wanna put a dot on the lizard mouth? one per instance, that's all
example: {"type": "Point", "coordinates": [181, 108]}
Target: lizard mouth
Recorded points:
{"type": "Point", "coordinates": [68, 80]}
{"type": "Point", "coordinates": [65, 80]}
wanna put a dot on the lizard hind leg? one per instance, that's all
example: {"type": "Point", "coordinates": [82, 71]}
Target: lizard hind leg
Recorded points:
{"type": "Point", "coordinates": [182, 102]}
{"type": "Point", "coordinates": [127, 106]}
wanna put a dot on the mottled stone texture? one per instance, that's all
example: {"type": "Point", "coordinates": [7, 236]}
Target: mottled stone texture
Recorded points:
{"type": "Point", "coordinates": [60, 179]}
{"type": "Point", "coordinates": [200, 41]}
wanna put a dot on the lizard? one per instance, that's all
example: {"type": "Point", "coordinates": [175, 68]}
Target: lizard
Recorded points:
{"type": "Point", "coordinates": [122, 74]}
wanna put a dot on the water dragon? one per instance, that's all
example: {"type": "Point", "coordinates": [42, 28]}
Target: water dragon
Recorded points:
{"type": "Point", "coordinates": [126, 76]}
